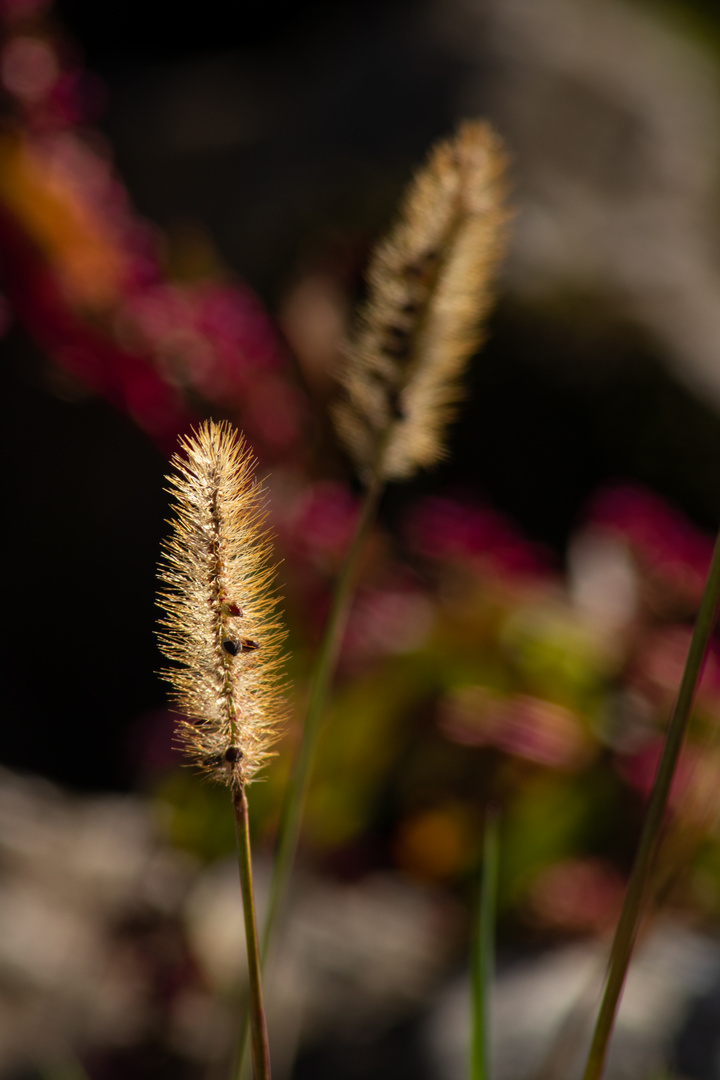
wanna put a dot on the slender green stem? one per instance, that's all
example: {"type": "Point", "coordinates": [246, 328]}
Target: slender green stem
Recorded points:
{"type": "Point", "coordinates": [260, 1051]}
{"type": "Point", "coordinates": [296, 793]}
{"type": "Point", "coordinates": [483, 955]}
{"type": "Point", "coordinates": [627, 927]}
{"type": "Point", "coordinates": [69, 1069]}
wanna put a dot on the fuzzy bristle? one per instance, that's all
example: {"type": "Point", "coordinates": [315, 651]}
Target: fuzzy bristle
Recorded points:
{"type": "Point", "coordinates": [429, 292]}
{"type": "Point", "coordinates": [220, 625]}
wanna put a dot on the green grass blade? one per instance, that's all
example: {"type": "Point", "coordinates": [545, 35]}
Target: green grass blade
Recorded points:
{"type": "Point", "coordinates": [635, 896]}
{"type": "Point", "coordinates": [296, 794]}
{"type": "Point", "coordinates": [258, 1029]}
{"type": "Point", "coordinates": [483, 953]}
{"type": "Point", "coordinates": [69, 1069]}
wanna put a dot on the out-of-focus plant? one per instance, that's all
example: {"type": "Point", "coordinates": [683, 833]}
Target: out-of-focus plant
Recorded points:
{"type": "Point", "coordinates": [430, 289]}
{"type": "Point", "coordinates": [636, 897]}
{"type": "Point", "coordinates": [429, 292]}
{"type": "Point", "coordinates": [86, 277]}
{"type": "Point", "coordinates": [471, 669]}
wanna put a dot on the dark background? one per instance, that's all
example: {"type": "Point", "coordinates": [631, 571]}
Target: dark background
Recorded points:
{"type": "Point", "coordinates": [339, 102]}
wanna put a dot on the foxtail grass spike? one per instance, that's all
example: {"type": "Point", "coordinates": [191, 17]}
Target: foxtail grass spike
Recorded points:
{"type": "Point", "coordinates": [430, 289]}
{"type": "Point", "coordinates": [219, 624]}
{"type": "Point", "coordinates": [220, 629]}
{"type": "Point", "coordinates": [429, 293]}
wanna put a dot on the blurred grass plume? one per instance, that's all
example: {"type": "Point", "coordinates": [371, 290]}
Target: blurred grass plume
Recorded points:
{"type": "Point", "coordinates": [429, 292]}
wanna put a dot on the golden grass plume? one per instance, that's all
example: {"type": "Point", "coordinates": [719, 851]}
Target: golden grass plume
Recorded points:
{"type": "Point", "coordinates": [220, 624]}
{"type": "Point", "coordinates": [429, 292]}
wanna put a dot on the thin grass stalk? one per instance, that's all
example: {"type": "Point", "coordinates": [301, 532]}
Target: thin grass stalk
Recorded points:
{"type": "Point", "coordinates": [429, 293]}
{"type": "Point", "coordinates": [428, 297]}
{"type": "Point", "coordinates": [483, 954]}
{"type": "Point", "coordinates": [667, 870]}
{"type": "Point", "coordinates": [297, 790]}
{"type": "Point", "coordinates": [69, 1069]}
{"type": "Point", "coordinates": [628, 923]}
{"type": "Point", "coordinates": [258, 1027]}
{"type": "Point", "coordinates": [571, 1034]}
{"type": "Point", "coordinates": [296, 793]}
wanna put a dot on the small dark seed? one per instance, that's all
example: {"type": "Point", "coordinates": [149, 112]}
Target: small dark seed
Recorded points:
{"type": "Point", "coordinates": [396, 410]}
{"type": "Point", "coordinates": [248, 646]}
{"type": "Point", "coordinates": [383, 379]}
{"type": "Point", "coordinates": [233, 754]}
{"type": "Point", "coordinates": [231, 647]}
{"type": "Point", "coordinates": [233, 609]}
{"type": "Point", "coordinates": [425, 263]}
{"type": "Point", "coordinates": [398, 348]}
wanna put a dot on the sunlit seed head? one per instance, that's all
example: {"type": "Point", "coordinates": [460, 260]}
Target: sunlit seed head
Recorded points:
{"type": "Point", "coordinates": [217, 585]}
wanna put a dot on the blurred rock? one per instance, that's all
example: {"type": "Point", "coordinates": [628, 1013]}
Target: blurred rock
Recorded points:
{"type": "Point", "coordinates": [115, 945]}
{"type": "Point", "coordinates": [74, 870]}
{"type": "Point", "coordinates": [534, 998]}
{"type": "Point", "coordinates": [354, 960]}
{"type": "Point", "coordinates": [612, 115]}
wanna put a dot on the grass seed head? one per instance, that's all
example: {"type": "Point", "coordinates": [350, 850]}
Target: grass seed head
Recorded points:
{"type": "Point", "coordinates": [220, 626]}
{"type": "Point", "coordinates": [429, 293]}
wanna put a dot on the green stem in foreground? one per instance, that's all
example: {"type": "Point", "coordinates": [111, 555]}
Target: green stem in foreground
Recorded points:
{"type": "Point", "coordinates": [296, 794]}
{"type": "Point", "coordinates": [627, 927]}
{"type": "Point", "coordinates": [69, 1069]}
{"type": "Point", "coordinates": [260, 1051]}
{"type": "Point", "coordinates": [297, 788]}
{"type": "Point", "coordinates": [483, 954]}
